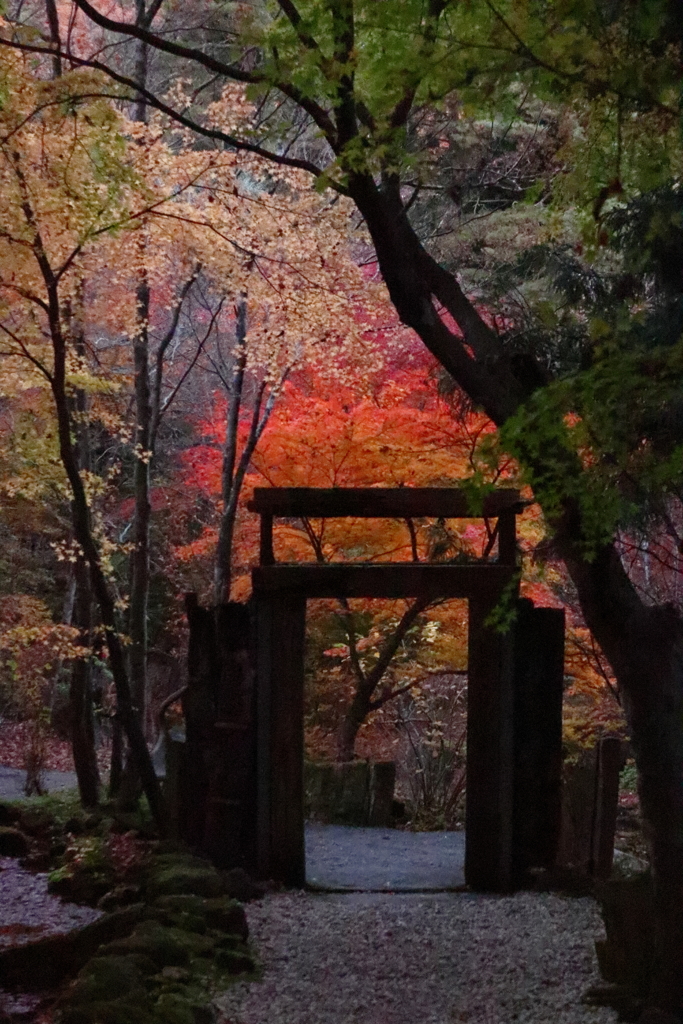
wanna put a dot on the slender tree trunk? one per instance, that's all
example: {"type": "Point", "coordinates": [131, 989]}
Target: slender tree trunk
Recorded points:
{"type": "Point", "coordinates": [139, 590]}
{"type": "Point", "coordinates": [116, 763]}
{"type": "Point", "coordinates": [223, 565]}
{"type": "Point", "coordinates": [80, 690]}
{"type": "Point", "coordinates": [124, 782]}
{"type": "Point", "coordinates": [81, 699]}
{"type": "Point", "coordinates": [356, 713]}
{"type": "Point", "coordinates": [363, 703]}
{"type": "Point", "coordinates": [101, 591]}
{"type": "Point", "coordinates": [233, 469]}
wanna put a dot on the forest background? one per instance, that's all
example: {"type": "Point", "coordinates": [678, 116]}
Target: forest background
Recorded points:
{"type": "Point", "coordinates": [272, 357]}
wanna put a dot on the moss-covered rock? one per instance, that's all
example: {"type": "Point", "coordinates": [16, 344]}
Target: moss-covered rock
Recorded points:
{"type": "Point", "coordinates": [110, 977]}
{"type": "Point", "coordinates": [183, 911]}
{"type": "Point", "coordinates": [119, 896]}
{"type": "Point", "coordinates": [45, 963]}
{"type": "Point", "coordinates": [177, 874]}
{"type": "Point", "coordinates": [166, 946]}
{"type": "Point", "coordinates": [173, 1008]}
{"type": "Point", "coordinates": [9, 814]}
{"type": "Point", "coordinates": [13, 842]}
{"type": "Point", "coordinates": [234, 961]}
{"type": "Point", "coordinates": [227, 915]}
{"type": "Point", "coordinates": [182, 903]}
{"type": "Point", "coordinates": [230, 942]}
{"type": "Point", "coordinates": [122, 1011]}
{"type": "Point", "coordinates": [80, 885]}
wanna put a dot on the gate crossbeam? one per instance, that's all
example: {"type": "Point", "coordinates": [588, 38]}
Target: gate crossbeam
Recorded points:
{"type": "Point", "coordinates": [502, 504]}
{"type": "Point", "coordinates": [383, 579]}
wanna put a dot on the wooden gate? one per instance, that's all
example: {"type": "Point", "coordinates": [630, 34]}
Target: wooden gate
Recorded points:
{"type": "Point", "coordinates": [514, 680]}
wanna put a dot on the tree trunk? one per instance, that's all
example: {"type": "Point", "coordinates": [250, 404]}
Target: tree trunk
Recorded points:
{"type": "Point", "coordinates": [81, 701]}
{"type": "Point", "coordinates": [80, 690]}
{"type": "Point", "coordinates": [139, 590]}
{"type": "Point", "coordinates": [363, 704]}
{"type": "Point", "coordinates": [116, 762]}
{"type": "Point", "coordinates": [80, 515]}
{"type": "Point", "coordinates": [645, 648]}
{"type": "Point", "coordinates": [125, 783]}
{"type": "Point", "coordinates": [643, 644]}
{"type": "Point", "coordinates": [223, 566]}
{"type": "Point", "coordinates": [355, 715]}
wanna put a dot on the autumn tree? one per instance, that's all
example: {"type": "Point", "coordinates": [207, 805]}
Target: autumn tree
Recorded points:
{"type": "Point", "coordinates": [63, 187]}
{"type": "Point", "coordinates": [394, 430]}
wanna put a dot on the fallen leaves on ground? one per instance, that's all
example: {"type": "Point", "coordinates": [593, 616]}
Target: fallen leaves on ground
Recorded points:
{"type": "Point", "coordinates": [13, 742]}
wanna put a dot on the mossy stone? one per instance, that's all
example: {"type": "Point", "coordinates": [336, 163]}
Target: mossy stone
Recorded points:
{"type": "Point", "coordinates": [80, 885]}
{"type": "Point", "coordinates": [13, 842]}
{"type": "Point", "coordinates": [172, 879]}
{"type": "Point", "coordinates": [119, 896]}
{"type": "Point", "coordinates": [182, 911]}
{"type": "Point", "coordinates": [122, 1011]}
{"type": "Point", "coordinates": [186, 922]}
{"type": "Point", "coordinates": [173, 1008]}
{"type": "Point", "coordinates": [108, 977]}
{"type": "Point", "coordinates": [230, 942]}
{"type": "Point", "coordinates": [183, 903]}
{"type": "Point", "coordinates": [167, 947]}
{"type": "Point", "coordinates": [226, 915]}
{"type": "Point", "coordinates": [8, 814]}
{"type": "Point", "coordinates": [233, 961]}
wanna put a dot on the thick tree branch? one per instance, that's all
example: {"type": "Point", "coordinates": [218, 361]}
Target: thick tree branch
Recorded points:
{"type": "Point", "coordinates": [228, 140]}
{"type": "Point", "coordinates": [197, 56]}
{"type": "Point", "coordinates": [296, 21]}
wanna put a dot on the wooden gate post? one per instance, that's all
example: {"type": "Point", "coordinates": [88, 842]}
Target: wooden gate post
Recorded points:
{"type": "Point", "coordinates": [539, 677]}
{"type": "Point", "coordinates": [281, 624]}
{"type": "Point", "coordinates": [490, 751]}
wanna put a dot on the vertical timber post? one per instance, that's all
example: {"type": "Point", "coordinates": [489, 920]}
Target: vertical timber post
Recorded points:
{"type": "Point", "coordinates": [609, 764]}
{"type": "Point", "coordinates": [539, 677]}
{"type": "Point", "coordinates": [507, 537]}
{"type": "Point", "coordinates": [267, 553]}
{"type": "Point", "coordinates": [281, 623]}
{"type": "Point", "coordinates": [490, 752]}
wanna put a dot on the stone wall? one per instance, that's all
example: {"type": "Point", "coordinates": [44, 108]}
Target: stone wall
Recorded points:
{"type": "Point", "coordinates": [354, 793]}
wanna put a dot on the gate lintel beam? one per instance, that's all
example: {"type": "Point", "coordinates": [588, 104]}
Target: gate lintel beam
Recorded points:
{"type": "Point", "coordinates": [383, 580]}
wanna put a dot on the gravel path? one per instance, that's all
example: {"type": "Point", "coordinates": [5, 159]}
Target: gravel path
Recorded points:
{"type": "Point", "coordinates": [447, 958]}
{"type": "Point", "coordinates": [381, 859]}
{"type": "Point", "coordinates": [28, 911]}
{"type": "Point", "coordinates": [12, 781]}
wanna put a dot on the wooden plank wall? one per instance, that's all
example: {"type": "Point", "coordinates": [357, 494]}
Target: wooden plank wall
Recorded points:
{"type": "Point", "coordinates": [488, 839]}
{"type": "Point", "coordinates": [539, 677]}
{"type": "Point", "coordinates": [281, 625]}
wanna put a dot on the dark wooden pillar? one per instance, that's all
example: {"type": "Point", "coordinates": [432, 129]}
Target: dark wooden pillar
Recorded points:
{"type": "Point", "coordinates": [281, 623]}
{"type": "Point", "coordinates": [267, 554]}
{"type": "Point", "coordinates": [538, 683]}
{"type": "Point", "coordinates": [215, 767]}
{"type": "Point", "coordinates": [490, 752]}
